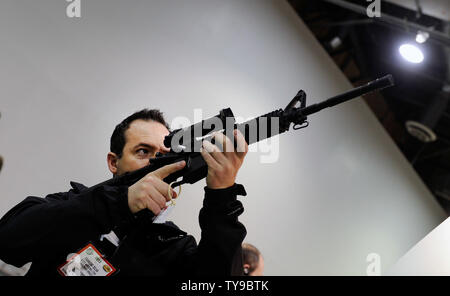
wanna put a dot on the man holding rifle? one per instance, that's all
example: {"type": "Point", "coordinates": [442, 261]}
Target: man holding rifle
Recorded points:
{"type": "Point", "coordinates": [79, 231]}
{"type": "Point", "coordinates": [109, 217]}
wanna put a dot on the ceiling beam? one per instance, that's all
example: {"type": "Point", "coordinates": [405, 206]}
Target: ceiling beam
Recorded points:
{"type": "Point", "coordinates": [406, 25]}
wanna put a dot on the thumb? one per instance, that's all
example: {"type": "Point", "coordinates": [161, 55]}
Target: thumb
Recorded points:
{"type": "Point", "coordinates": [168, 169]}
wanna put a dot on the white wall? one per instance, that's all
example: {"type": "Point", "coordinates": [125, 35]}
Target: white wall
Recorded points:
{"type": "Point", "coordinates": [429, 257]}
{"type": "Point", "coordinates": [340, 188]}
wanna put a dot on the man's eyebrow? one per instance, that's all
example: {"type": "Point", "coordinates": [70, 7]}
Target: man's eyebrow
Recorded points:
{"type": "Point", "coordinates": [152, 147]}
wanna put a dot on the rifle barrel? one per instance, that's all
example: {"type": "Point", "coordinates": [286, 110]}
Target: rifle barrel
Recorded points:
{"type": "Point", "coordinates": [377, 84]}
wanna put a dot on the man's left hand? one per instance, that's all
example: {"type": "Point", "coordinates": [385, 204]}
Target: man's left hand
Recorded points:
{"type": "Point", "coordinates": [223, 164]}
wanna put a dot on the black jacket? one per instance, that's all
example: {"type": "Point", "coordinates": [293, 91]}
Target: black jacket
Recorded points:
{"type": "Point", "coordinates": [45, 230]}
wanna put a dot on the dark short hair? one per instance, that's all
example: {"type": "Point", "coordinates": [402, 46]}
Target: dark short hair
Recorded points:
{"type": "Point", "coordinates": [118, 139]}
{"type": "Point", "coordinates": [250, 256]}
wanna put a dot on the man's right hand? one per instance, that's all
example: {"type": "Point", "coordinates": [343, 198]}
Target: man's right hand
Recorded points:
{"type": "Point", "coordinates": [151, 192]}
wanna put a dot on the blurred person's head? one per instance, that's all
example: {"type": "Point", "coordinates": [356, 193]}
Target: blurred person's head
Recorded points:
{"type": "Point", "coordinates": [253, 260]}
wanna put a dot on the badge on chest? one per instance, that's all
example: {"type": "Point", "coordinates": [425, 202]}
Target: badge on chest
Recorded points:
{"type": "Point", "coordinates": [86, 262]}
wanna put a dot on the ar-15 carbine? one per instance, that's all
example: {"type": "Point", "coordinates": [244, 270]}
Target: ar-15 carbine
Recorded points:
{"type": "Point", "coordinates": [184, 143]}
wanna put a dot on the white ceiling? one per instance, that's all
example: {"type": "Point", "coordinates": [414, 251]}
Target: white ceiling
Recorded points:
{"type": "Point", "coordinates": [436, 8]}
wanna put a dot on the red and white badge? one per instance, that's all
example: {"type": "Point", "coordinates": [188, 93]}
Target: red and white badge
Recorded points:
{"type": "Point", "coordinates": [87, 262]}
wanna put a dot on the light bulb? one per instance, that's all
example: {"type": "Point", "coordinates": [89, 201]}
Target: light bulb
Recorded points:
{"type": "Point", "coordinates": [411, 53]}
{"type": "Point", "coordinates": [421, 37]}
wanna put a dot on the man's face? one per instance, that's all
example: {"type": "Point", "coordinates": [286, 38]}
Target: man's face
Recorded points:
{"type": "Point", "coordinates": [143, 140]}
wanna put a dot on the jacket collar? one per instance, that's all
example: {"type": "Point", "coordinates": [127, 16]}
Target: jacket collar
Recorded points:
{"type": "Point", "coordinates": [77, 186]}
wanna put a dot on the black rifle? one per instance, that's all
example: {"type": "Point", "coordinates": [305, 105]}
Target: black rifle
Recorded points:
{"type": "Point", "coordinates": [185, 143]}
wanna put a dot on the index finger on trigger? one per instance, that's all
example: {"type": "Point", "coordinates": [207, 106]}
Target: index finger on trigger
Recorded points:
{"type": "Point", "coordinates": [166, 170]}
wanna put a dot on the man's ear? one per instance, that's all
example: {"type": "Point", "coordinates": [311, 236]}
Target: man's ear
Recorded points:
{"type": "Point", "coordinates": [112, 162]}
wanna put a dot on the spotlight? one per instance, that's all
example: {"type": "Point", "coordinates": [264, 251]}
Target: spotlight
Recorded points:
{"type": "Point", "coordinates": [335, 42]}
{"type": "Point", "coordinates": [421, 37]}
{"type": "Point", "coordinates": [411, 53]}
